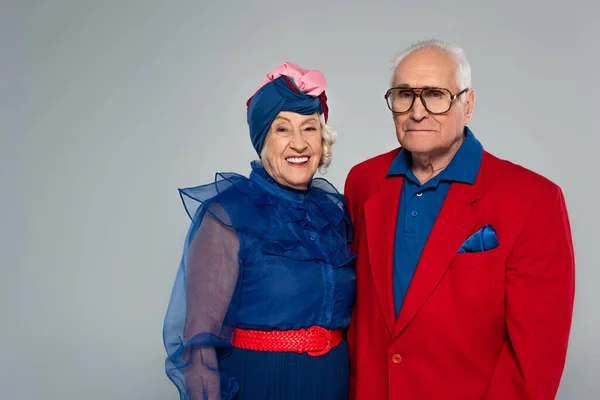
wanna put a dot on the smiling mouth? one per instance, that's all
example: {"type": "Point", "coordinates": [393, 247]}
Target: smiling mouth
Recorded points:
{"type": "Point", "coordinates": [297, 161]}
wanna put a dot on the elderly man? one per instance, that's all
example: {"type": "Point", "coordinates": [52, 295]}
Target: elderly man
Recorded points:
{"type": "Point", "coordinates": [465, 267]}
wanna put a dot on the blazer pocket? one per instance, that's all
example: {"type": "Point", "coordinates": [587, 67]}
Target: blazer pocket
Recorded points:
{"type": "Point", "coordinates": [480, 259]}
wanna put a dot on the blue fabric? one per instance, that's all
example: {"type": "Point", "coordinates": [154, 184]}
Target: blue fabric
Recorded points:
{"type": "Point", "coordinates": [284, 375]}
{"type": "Point", "coordinates": [420, 206]}
{"type": "Point", "coordinates": [295, 270]}
{"type": "Point", "coordinates": [482, 240]}
{"type": "Point", "coordinates": [270, 100]}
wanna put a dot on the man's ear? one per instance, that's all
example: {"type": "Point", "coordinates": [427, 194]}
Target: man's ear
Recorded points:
{"type": "Point", "coordinates": [469, 104]}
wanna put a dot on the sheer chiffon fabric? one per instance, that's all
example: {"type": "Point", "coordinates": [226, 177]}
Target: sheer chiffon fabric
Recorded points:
{"type": "Point", "coordinates": [259, 255]}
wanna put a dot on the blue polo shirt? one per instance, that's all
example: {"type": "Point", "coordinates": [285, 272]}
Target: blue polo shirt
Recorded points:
{"type": "Point", "coordinates": [421, 204]}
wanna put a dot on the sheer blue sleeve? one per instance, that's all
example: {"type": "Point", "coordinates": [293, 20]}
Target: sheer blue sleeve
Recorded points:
{"type": "Point", "coordinates": [193, 330]}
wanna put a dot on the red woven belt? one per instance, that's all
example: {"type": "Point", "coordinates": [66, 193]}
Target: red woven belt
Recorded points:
{"type": "Point", "coordinates": [315, 341]}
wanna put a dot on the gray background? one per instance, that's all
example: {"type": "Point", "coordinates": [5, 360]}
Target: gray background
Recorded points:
{"type": "Point", "coordinates": [108, 107]}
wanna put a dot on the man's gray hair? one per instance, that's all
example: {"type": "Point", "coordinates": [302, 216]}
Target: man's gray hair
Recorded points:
{"type": "Point", "coordinates": [463, 69]}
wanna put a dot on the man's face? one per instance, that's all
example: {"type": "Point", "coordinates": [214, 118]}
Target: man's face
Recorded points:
{"type": "Point", "coordinates": [418, 130]}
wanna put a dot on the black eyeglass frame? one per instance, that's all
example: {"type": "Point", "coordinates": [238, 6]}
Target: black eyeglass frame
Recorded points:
{"type": "Point", "coordinates": [420, 95]}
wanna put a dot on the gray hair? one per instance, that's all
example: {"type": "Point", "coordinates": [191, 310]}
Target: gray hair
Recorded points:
{"type": "Point", "coordinates": [329, 136]}
{"type": "Point", "coordinates": [463, 69]}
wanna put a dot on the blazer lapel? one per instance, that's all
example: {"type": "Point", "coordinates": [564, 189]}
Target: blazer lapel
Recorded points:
{"type": "Point", "coordinates": [453, 225]}
{"type": "Point", "coordinates": [381, 213]}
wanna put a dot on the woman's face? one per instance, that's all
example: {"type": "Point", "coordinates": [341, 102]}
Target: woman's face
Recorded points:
{"type": "Point", "coordinates": [293, 148]}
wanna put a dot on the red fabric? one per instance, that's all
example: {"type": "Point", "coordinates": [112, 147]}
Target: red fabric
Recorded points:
{"type": "Point", "coordinates": [315, 341]}
{"type": "Point", "coordinates": [491, 325]}
{"type": "Point", "coordinates": [323, 100]}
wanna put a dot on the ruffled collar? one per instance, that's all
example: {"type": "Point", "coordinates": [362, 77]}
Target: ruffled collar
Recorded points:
{"type": "Point", "coordinates": [260, 177]}
{"type": "Point", "coordinates": [321, 204]}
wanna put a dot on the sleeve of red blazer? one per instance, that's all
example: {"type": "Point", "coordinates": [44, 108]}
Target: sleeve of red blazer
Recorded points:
{"type": "Point", "coordinates": [356, 191]}
{"type": "Point", "coordinates": [540, 286]}
{"type": "Point", "coordinates": [350, 189]}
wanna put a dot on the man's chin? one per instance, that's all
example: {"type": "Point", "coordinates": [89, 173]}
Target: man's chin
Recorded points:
{"type": "Point", "coordinates": [419, 146]}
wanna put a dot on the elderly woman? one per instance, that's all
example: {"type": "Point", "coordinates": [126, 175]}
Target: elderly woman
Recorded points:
{"type": "Point", "coordinates": [266, 283]}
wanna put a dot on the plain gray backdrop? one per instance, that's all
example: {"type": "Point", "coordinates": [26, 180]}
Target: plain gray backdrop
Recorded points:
{"type": "Point", "coordinates": [107, 107]}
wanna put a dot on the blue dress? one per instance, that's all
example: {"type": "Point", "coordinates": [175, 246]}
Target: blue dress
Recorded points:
{"type": "Point", "coordinates": [263, 256]}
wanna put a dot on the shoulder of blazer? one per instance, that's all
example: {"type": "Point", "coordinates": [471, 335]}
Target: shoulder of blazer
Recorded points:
{"type": "Point", "coordinates": [506, 175]}
{"type": "Point", "coordinates": [371, 171]}
{"type": "Point", "coordinates": [364, 179]}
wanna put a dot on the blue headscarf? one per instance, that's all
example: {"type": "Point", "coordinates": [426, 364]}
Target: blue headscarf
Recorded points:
{"type": "Point", "coordinates": [280, 94]}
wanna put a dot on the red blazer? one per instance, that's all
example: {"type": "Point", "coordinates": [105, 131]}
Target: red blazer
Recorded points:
{"type": "Point", "coordinates": [492, 325]}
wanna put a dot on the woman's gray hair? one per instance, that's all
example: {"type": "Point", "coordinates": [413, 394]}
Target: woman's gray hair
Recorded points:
{"type": "Point", "coordinates": [329, 136]}
{"type": "Point", "coordinates": [463, 68]}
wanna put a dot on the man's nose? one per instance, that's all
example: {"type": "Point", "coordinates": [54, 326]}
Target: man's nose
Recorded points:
{"type": "Point", "coordinates": [418, 111]}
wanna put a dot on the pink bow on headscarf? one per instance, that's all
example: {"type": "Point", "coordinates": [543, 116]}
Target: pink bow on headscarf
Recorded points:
{"type": "Point", "coordinates": [311, 82]}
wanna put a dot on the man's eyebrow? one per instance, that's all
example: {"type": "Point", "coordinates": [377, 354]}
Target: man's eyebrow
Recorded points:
{"type": "Point", "coordinates": [407, 86]}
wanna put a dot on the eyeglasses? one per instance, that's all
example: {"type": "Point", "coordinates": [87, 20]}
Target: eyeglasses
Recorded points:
{"type": "Point", "coordinates": [435, 100]}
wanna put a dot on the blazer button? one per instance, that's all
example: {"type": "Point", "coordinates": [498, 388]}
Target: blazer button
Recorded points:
{"type": "Point", "coordinates": [396, 358]}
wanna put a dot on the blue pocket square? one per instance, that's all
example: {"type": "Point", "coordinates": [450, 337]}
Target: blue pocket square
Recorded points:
{"type": "Point", "coordinates": [482, 240]}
